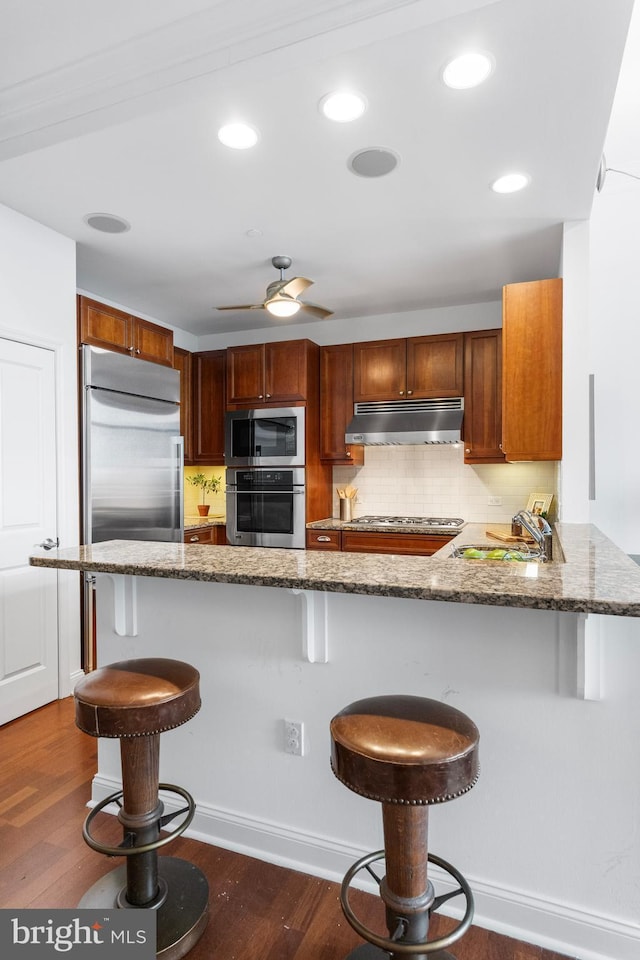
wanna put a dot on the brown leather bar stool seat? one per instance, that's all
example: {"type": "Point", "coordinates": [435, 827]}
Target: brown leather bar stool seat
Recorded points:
{"type": "Point", "coordinates": [135, 701]}
{"type": "Point", "coordinates": [407, 753]}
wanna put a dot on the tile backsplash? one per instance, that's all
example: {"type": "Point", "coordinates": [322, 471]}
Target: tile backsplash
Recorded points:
{"type": "Point", "coordinates": [193, 495]}
{"type": "Point", "coordinates": [434, 481]}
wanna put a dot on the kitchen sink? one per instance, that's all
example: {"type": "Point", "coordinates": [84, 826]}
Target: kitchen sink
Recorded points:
{"type": "Point", "coordinates": [517, 552]}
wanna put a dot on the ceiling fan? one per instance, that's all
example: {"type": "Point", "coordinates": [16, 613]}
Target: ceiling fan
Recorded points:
{"type": "Point", "coordinates": [281, 298]}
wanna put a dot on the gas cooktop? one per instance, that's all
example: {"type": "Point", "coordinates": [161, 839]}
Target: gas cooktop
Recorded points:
{"type": "Point", "coordinates": [412, 521]}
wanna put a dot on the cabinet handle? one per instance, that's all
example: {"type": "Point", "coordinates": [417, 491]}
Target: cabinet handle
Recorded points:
{"type": "Point", "coordinates": [401, 392]}
{"type": "Point", "coordinates": [194, 539]}
{"type": "Point", "coordinates": [467, 450]}
{"type": "Point", "coordinates": [349, 454]}
{"type": "Point", "coordinates": [268, 396]}
{"type": "Point", "coordinates": [138, 350]}
{"type": "Point", "coordinates": [323, 539]}
{"type": "Point", "coordinates": [130, 349]}
{"type": "Point", "coordinates": [409, 392]}
{"type": "Point", "coordinates": [260, 397]}
{"type": "Point", "coordinates": [500, 446]}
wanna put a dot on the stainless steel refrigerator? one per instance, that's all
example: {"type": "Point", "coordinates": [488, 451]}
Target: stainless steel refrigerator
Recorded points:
{"type": "Point", "coordinates": [132, 456]}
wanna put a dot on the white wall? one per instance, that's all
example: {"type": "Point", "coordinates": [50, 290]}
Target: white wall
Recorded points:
{"type": "Point", "coordinates": [414, 323]}
{"type": "Point", "coordinates": [38, 305]}
{"type": "Point", "coordinates": [615, 295]}
{"type": "Point", "coordinates": [548, 837]}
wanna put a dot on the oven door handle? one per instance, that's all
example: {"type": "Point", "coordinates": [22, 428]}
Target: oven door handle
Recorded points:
{"type": "Point", "coordinates": [263, 493]}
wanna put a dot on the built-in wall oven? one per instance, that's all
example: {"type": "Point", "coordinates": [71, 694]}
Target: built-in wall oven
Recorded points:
{"type": "Point", "coordinates": [267, 437]}
{"type": "Point", "coordinates": [266, 507]}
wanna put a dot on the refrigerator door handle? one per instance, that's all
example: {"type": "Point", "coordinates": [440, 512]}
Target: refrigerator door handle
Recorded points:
{"type": "Point", "coordinates": [179, 486]}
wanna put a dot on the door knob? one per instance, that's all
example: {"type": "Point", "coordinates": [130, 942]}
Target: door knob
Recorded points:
{"type": "Point", "coordinates": [49, 544]}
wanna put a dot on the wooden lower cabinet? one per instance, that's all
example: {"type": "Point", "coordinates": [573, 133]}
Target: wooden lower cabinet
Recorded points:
{"type": "Point", "coordinates": [324, 540]}
{"type": "Point", "coordinates": [357, 541]}
{"type": "Point", "coordinates": [215, 534]}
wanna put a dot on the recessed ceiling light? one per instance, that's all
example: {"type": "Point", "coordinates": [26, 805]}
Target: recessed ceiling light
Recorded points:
{"type": "Point", "coordinates": [107, 223]}
{"type": "Point", "coordinates": [240, 136]}
{"type": "Point", "coordinates": [343, 106]}
{"type": "Point", "coordinates": [510, 183]}
{"type": "Point", "coordinates": [467, 71]}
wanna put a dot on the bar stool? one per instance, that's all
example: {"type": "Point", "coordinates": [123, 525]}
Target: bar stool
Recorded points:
{"type": "Point", "coordinates": [407, 753]}
{"type": "Point", "coordinates": [135, 701]}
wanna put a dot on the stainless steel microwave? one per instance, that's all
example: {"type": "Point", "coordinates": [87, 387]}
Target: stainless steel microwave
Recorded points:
{"type": "Point", "coordinates": [269, 437]}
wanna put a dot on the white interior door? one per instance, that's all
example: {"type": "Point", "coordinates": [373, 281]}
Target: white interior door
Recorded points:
{"type": "Point", "coordinates": [28, 595]}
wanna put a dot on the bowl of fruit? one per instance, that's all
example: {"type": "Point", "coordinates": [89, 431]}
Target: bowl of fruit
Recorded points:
{"type": "Point", "coordinates": [518, 553]}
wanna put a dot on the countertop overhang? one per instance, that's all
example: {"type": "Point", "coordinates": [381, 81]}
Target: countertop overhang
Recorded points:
{"type": "Point", "coordinates": [595, 577]}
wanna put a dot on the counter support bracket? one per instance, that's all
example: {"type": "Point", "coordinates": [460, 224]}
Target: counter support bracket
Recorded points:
{"type": "Point", "coordinates": [125, 603]}
{"type": "Point", "coordinates": [315, 639]}
{"type": "Point", "coordinates": [588, 672]}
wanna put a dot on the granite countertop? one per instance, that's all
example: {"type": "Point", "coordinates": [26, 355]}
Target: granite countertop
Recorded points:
{"type": "Point", "coordinates": [211, 520]}
{"type": "Point", "coordinates": [331, 523]}
{"type": "Point", "coordinates": [595, 577]}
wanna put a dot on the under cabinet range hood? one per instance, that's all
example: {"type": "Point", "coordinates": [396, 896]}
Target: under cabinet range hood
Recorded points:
{"type": "Point", "coordinates": [406, 421]}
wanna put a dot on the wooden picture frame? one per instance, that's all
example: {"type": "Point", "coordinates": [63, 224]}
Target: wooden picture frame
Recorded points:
{"type": "Point", "coordinates": [540, 503]}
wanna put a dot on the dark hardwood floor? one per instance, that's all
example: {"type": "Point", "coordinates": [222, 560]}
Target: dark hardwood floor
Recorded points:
{"type": "Point", "coordinates": [257, 911]}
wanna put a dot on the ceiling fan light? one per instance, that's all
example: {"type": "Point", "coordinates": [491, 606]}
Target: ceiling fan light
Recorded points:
{"type": "Point", "coordinates": [282, 307]}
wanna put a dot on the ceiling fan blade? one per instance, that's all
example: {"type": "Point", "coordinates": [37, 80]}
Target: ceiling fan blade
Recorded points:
{"type": "Point", "coordinates": [315, 311]}
{"type": "Point", "coordinates": [244, 306]}
{"type": "Point", "coordinates": [295, 286]}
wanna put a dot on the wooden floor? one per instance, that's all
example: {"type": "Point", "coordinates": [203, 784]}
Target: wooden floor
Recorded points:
{"type": "Point", "coordinates": [257, 911]}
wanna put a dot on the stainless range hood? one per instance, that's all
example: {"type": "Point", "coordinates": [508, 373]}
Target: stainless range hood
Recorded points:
{"type": "Point", "coordinates": [406, 421]}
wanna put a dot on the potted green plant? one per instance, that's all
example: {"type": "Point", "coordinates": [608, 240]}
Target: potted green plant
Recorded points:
{"type": "Point", "coordinates": [207, 485]}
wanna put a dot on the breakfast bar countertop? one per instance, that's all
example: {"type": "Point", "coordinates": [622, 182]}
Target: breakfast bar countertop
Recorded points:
{"type": "Point", "coordinates": [594, 577]}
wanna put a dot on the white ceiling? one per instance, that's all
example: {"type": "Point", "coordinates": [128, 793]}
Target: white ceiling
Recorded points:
{"type": "Point", "coordinates": [114, 107]}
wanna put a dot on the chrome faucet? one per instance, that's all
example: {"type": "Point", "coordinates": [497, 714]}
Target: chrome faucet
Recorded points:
{"type": "Point", "coordinates": [539, 530]}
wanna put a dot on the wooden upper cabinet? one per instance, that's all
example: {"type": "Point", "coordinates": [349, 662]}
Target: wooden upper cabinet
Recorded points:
{"type": "Point", "coordinates": [208, 406]}
{"type": "Point", "coordinates": [336, 405]}
{"type": "Point", "coordinates": [267, 374]}
{"type": "Point", "coordinates": [417, 368]}
{"type": "Point", "coordinates": [112, 329]}
{"type": "Point", "coordinates": [379, 370]}
{"type": "Point", "coordinates": [182, 363]}
{"type": "Point", "coordinates": [435, 366]}
{"type": "Point", "coordinates": [532, 370]}
{"type": "Point", "coordinates": [483, 397]}
{"type": "Point", "coordinates": [152, 342]}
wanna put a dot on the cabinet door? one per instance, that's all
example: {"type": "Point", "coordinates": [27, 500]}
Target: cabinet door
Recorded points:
{"type": "Point", "coordinates": [245, 374]}
{"type": "Point", "coordinates": [336, 405]}
{"type": "Point", "coordinates": [104, 326]}
{"type": "Point", "coordinates": [182, 362]}
{"type": "Point", "coordinates": [406, 544]}
{"type": "Point", "coordinates": [435, 366]}
{"type": "Point", "coordinates": [152, 342]}
{"type": "Point", "coordinates": [380, 368]}
{"type": "Point", "coordinates": [323, 540]}
{"type": "Point", "coordinates": [208, 405]}
{"type": "Point", "coordinates": [483, 397]}
{"type": "Point", "coordinates": [285, 371]}
{"type": "Point", "coordinates": [532, 370]}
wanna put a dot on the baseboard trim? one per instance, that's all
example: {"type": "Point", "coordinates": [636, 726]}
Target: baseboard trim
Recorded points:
{"type": "Point", "coordinates": [517, 914]}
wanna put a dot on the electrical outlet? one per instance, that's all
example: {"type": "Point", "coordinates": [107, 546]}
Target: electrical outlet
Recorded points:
{"type": "Point", "coordinates": [294, 737]}
{"type": "Point", "coordinates": [495, 501]}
